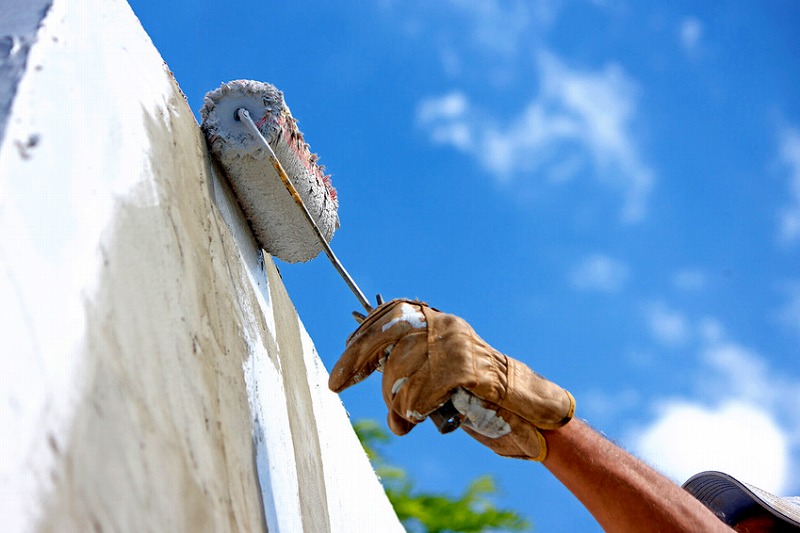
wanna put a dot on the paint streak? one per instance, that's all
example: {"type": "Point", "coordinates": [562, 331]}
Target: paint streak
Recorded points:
{"type": "Point", "coordinates": [382, 360]}
{"type": "Point", "coordinates": [476, 416]}
{"type": "Point", "coordinates": [398, 385]}
{"type": "Point", "coordinates": [410, 315]}
{"type": "Point", "coordinates": [415, 415]}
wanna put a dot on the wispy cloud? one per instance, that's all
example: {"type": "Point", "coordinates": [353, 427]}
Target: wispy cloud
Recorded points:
{"type": "Point", "coordinates": [599, 273]}
{"type": "Point", "coordinates": [578, 119]}
{"type": "Point", "coordinates": [789, 153]}
{"type": "Point", "coordinates": [668, 326]}
{"type": "Point", "coordinates": [445, 115]}
{"type": "Point", "coordinates": [495, 25]}
{"type": "Point", "coordinates": [690, 33]}
{"type": "Point", "coordinates": [491, 33]}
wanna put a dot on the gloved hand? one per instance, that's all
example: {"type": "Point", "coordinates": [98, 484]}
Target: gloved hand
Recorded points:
{"type": "Point", "coordinates": [428, 357]}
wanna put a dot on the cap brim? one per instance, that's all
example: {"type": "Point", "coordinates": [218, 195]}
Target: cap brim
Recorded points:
{"type": "Point", "coordinates": [731, 499]}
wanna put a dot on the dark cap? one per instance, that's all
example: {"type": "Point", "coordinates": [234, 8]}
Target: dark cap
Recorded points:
{"type": "Point", "coordinates": [731, 500]}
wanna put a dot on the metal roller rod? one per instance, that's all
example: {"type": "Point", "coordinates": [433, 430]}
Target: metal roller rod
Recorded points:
{"type": "Point", "coordinates": [244, 116]}
{"type": "Point", "coordinates": [447, 417]}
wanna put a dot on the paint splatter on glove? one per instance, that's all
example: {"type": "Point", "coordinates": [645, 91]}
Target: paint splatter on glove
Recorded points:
{"type": "Point", "coordinates": [428, 357]}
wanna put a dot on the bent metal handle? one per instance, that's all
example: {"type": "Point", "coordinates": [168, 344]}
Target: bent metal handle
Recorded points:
{"type": "Point", "coordinates": [447, 417]}
{"type": "Point", "coordinates": [244, 116]}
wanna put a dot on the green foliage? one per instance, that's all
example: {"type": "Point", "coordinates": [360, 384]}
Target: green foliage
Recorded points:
{"type": "Point", "coordinates": [424, 512]}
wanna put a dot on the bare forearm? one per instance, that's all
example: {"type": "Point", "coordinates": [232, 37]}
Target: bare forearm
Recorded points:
{"type": "Point", "coordinates": [621, 492]}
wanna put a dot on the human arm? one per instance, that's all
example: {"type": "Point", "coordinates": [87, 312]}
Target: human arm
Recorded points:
{"type": "Point", "coordinates": [622, 492]}
{"type": "Point", "coordinates": [428, 357]}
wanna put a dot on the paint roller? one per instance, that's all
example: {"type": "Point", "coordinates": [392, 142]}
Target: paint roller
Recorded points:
{"type": "Point", "coordinates": [282, 189]}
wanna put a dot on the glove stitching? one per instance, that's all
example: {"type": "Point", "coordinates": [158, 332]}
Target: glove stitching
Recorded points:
{"type": "Point", "coordinates": [434, 350]}
{"type": "Point", "coordinates": [473, 358]}
{"type": "Point", "coordinates": [509, 380]}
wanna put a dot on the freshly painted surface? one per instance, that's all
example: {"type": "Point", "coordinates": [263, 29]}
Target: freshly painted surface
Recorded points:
{"type": "Point", "coordinates": [155, 375]}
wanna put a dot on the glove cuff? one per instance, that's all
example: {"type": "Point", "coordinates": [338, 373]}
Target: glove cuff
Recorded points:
{"type": "Point", "coordinates": [540, 401]}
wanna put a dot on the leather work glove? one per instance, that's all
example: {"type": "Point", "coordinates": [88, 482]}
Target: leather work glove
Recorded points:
{"type": "Point", "coordinates": [428, 357]}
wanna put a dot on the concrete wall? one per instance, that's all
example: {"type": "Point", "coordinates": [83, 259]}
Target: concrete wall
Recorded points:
{"type": "Point", "coordinates": [154, 375]}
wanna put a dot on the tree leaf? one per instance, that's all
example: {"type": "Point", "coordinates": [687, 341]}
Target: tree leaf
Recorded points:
{"type": "Point", "coordinates": [424, 512]}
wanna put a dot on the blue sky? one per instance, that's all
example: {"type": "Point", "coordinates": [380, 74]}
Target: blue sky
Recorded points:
{"type": "Point", "coordinates": [607, 191]}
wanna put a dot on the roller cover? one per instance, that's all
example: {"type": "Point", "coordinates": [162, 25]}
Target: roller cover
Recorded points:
{"type": "Point", "coordinates": [277, 221]}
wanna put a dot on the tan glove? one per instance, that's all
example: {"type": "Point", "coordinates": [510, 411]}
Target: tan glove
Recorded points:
{"type": "Point", "coordinates": [428, 356]}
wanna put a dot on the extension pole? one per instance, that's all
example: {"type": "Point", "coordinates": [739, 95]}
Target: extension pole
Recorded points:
{"type": "Point", "coordinates": [244, 116]}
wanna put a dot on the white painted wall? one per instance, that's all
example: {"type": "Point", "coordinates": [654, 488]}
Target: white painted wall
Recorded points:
{"type": "Point", "coordinates": [154, 375]}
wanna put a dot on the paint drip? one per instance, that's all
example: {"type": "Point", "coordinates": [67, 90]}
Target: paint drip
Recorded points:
{"type": "Point", "coordinates": [278, 223]}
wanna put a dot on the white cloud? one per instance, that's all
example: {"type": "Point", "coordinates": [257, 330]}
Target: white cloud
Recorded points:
{"type": "Point", "coordinates": [736, 370]}
{"type": "Point", "coordinates": [789, 152]}
{"type": "Point", "coordinates": [738, 438]}
{"type": "Point", "coordinates": [580, 117]}
{"type": "Point", "coordinates": [449, 106]}
{"type": "Point", "coordinates": [744, 419]}
{"type": "Point", "coordinates": [668, 326]}
{"type": "Point", "coordinates": [739, 371]}
{"type": "Point", "coordinates": [600, 273]}
{"type": "Point", "coordinates": [444, 113]}
{"type": "Point", "coordinates": [691, 31]}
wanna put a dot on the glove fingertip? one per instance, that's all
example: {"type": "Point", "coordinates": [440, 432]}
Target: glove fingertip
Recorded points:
{"type": "Point", "coordinates": [339, 380]}
{"type": "Point", "coordinates": [399, 425]}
